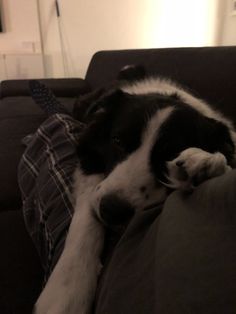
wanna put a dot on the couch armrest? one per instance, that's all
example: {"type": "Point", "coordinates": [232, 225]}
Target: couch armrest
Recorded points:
{"type": "Point", "coordinates": [63, 87]}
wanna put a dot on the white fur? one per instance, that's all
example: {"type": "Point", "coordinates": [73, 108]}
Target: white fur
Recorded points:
{"type": "Point", "coordinates": [195, 162]}
{"type": "Point", "coordinates": [134, 172]}
{"type": "Point", "coordinates": [167, 87]}
{"type": "Point", "coordinates": [72, 284]}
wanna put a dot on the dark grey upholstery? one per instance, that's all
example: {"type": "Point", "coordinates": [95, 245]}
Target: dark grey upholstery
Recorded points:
{"type": "Point", "coordinates": [179, 261]}
{"type": "Point", "coordinates": [71, 87]}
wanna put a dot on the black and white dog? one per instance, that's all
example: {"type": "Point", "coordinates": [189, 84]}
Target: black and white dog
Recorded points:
{"type": "Point", "coordinates": [142, 140]}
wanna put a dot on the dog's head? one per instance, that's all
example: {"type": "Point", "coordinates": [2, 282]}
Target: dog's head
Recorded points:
{"type": "Point", "coordinates": [130, 138]}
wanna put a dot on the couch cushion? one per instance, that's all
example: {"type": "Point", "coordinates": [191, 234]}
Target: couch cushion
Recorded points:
{"type": "Point", "coordinates": [181, 261]}
{"type": "Point", "coordinates": [69, 87]}
{"type": "Point", "coordinates": [20, 271]}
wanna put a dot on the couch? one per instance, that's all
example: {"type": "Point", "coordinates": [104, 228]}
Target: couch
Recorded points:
{"type": "Point", "coordinates": [208, 72]}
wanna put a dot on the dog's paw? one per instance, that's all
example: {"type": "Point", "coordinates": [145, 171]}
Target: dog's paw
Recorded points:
{"type": "Point", "coordinates": [193, 166]}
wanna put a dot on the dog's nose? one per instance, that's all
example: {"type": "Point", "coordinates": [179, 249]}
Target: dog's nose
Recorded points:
{"type": "Point", "coordinates": [114, 210]}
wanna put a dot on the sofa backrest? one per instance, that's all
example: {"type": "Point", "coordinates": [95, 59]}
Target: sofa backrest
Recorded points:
{"type": "Point", "coordinates": [61, 87]}
{"type": "Point", "coordinates": [209, 72]}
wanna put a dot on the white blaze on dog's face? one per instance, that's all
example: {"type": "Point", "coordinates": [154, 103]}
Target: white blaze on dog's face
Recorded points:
{"type": "Point", "coordinates": [132, 137]}
{"type": "Point", "coordinates": [132, 179]}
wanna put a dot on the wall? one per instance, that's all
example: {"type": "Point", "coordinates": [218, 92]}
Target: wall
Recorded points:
{"type": "Point", "coordinates": [103, 25]}
{"type": "Point", "coordinates": [90, 25]}
{"type": "Point", "coordinates": [20, 20]}
{"type": "Point", "coordinates": [228, 34]}
{"type": "Point", "coordinates": [51, 39]}
{"type": "Point", "coordinates": [20, 46]}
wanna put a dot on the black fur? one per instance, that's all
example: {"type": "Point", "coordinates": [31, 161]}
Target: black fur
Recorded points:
{"type": "Point", "coordinates": [132, 73]}
{"type": "Point", "coordinates": [118, 120]}
{"type": "Point", "coordinates": [185, 128]}
{"type": "Point", "coordinates": [85, 104]}
{"type": "Point", "coordinates": [115, 129]}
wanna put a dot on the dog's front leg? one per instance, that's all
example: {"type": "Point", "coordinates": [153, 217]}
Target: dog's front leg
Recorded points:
{"type": "Point", "coordinates": [72, 284]}
{"type": "Point", "coordinates": [193, 166]}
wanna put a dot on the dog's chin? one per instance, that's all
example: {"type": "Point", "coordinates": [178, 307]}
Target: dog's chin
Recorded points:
{"type": "Point", "coordinates": [154, 206]}
{"type": "Point", "coordinates": [121, 222]}
{"type": "Point", "coordinates": [99, 218]}
{"type": "Point", "coordinates": [118, 227]}
{"type": "Point", "coordinates": [113, 221]}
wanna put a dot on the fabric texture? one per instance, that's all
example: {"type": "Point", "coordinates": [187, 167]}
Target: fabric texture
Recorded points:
{"type": "Point", "coordinates": [21, 274]}
{"type": "Point", "coordinates": [19, 116]}
{"type": "Point", "coordinates": [46, 182]}
{"type": "Point", "coordinates": [45, 98]}
{"type": "Point", "coordinates": [180, 261]}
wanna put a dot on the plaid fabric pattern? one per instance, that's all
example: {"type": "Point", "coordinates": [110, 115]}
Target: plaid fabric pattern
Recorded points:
{"type": "Point", "coordinates": [45, 177]}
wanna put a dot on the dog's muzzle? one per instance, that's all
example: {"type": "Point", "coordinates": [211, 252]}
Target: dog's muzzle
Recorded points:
{"type": "Point", "coordinates": [114, 210]}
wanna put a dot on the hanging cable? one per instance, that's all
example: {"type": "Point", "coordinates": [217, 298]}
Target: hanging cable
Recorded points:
{"type": "Point", "coordinates": [41, 37]}
{"type": "Point", "coordinates": [63, 52]}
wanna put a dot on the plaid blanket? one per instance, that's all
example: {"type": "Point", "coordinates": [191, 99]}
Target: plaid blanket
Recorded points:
{"type": "Point", "coordinates": [45, 177]}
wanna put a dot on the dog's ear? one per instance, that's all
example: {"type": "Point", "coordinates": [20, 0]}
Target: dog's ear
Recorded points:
{"type": "Point", "coordinates": [83, 102]}
{"type": "Point", "coordinates": [94, 140]}
{"type": "Point", "coordinates": [131, 73]}
{"type": "Point", "coordinates": [103, 105]}
{"type": "Point", "coordinates": [87, 105]}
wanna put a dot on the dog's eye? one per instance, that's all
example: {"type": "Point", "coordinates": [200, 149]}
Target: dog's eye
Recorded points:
{"type": "Point", "coordinates": [116, 140]}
